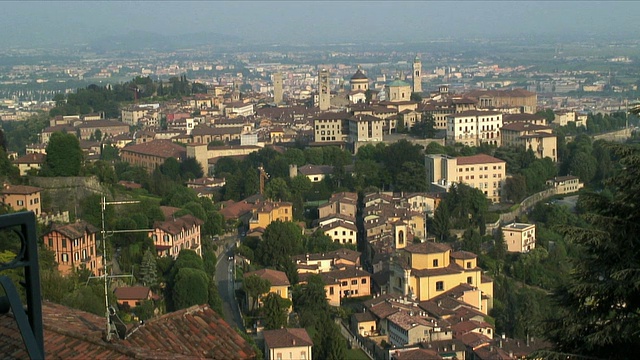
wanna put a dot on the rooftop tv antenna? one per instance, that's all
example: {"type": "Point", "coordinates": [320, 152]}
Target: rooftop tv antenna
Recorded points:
{"type": "Point", "coordinates": [113, 323]}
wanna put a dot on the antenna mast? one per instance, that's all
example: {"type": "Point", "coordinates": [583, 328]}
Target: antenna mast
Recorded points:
{"type": "Point", "coordinates": [103, 206]}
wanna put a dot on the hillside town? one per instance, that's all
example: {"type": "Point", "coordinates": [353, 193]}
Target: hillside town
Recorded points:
{"type": "Point", "coordinates": [265, 210]}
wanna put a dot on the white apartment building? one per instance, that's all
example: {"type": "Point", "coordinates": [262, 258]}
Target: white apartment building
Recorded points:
{"type": "Point", "coordinates": [473, 127]}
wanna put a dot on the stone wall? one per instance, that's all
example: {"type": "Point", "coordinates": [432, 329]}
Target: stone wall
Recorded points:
{"type": "Point", "coordinates": [526, 205]}
{"type": "Point", "coordinates": [66, 193]}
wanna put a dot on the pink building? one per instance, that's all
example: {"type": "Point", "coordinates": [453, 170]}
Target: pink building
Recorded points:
{"type": "Point", "coordinates": [171, 236]}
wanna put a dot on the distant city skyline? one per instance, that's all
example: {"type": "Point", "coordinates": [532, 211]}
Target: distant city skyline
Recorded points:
{"type": "Point", "coordinates": [62, 23]}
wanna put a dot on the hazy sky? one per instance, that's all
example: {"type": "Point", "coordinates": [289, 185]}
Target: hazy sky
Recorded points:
{"type": "Point", "coordinates": [63, 22]}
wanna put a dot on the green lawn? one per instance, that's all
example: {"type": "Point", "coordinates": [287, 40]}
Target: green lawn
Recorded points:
{"type": "Point", "coordinates": [355, 354]}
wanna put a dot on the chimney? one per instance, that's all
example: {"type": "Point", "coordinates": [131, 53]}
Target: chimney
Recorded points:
{"type": "Point", "coordinates": [294, 342]}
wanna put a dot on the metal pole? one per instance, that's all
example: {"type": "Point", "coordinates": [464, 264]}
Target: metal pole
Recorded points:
{"type": "Point", "coordinates": [104, 269]}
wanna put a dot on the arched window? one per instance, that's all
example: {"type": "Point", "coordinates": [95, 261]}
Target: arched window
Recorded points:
{"type": "Point", "coordinates": [401, 237]}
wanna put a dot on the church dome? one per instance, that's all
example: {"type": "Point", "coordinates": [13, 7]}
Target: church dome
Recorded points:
{"type": "Point", "coordinates": [359, 76]}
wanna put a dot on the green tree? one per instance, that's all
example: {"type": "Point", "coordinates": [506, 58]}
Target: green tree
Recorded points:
{"type": "Point", "coordinates": [274, 311]}
{"type": "Point", "coordinates": [277, 189]}
{"type": "Point", "coordinates": [191, 287]}
{"type": "Point", "coordinates": [255, 286]}
{"type": "Point", "coordinates": [281, 239]}
{"type": "Point", "coordinates": [583, 165]}
{"type": "Point", "coordinates": [149, 269]}
{"type": "Point", "coordinates": [599, 312]}
{"type": "Point", "coordinates": [64, 156]}
{"type": "Point", "coordinates": [515, 188]}
{"type": "Point", "coordinates": [215, 301]}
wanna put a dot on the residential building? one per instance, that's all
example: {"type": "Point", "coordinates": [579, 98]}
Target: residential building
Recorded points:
{"type": "Point", "coordinates": [533, 119]}
{"type": "Point", "coordinates": [349, 281]}
{"type": "Point", "coordinates": [364, 324]}
{"type": "Point", "coordinates": [289, 344]}
{"type": "Point", "coordinates": [537, 138]}
{"type": "Point", "coordinates": [107, 128]}
{"type": "Point", "coordinates": [133, 295]}
{"type": "Point", "coordinates": [481, 171]}
{"type": "Point", "coordinates": [426, 270]}
{"type": "Point", "coordinates": [474, 127]}
{"type": "Point", "coordinates": [343, 203]}
{"type": "Point", "coordinates": [32, 161]}
{"type": "Point", "coordinates": [519, 237]}
{"type": "Point", "coordinates": [75, 247]}
{"type": "Point", "coordinates": [442, 104]}
{"type": "Point", "coordinates": [269, 211]}
{"type": "Point", "coordinates": [277, 279]}
{"type": "Point", "coordinates": [411, 328]}
{"type": "Point", "coordinates": [363, 129]}
{"type": "Point", "coordinates": [171, 236]}
{"type": "Point", "coordinates": [324, 262]}
{"type": "Point", "coordinates": [330, 128]}
{"type": "Point", "coordinates": [150, 155]}
{"type": "Point", "coordinates": [22, 197]}
{"type": "Point", "coordinates": [565, 184]}
{"type": "Point", "coordinates": [341, 232]}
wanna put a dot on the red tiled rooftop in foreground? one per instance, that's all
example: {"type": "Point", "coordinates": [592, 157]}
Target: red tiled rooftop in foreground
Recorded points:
{"type": "Point", "coordinates": [193, 333]}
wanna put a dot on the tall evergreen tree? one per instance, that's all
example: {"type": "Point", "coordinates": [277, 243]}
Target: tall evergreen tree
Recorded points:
{"type": "Point", "coordinates": [599, 313]}
{"type": "Point", "coordinates": [149, 269]}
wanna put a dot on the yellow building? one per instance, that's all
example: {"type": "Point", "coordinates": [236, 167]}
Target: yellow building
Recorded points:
{"type": "Point", "coordinates": [481, 171]}
{"type": "Point", "coordinates": [424, 271]}
{"type": "Point", "coordinates": [268, 212]}
{"type": "Point", "coordinates": [519, 237]}
{"type": "Point", "coordinates": [22, 197]}
{"type": "Point", "coordinates": [278, 280]}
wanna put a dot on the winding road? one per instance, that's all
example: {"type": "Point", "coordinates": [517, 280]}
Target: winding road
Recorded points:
{"type": "Point", "coordinates": [224, 279]}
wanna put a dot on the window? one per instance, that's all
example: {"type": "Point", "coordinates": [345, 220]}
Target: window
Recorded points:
{"type": "Point", "coordinates": [468, 264]}
{"type": "Point", "coordinates": [344, 283]}
{"type": "Point", "coordinates": [435, 262]}
{"type": "Point", "coordinates": [354, 282]}
{"type": "Point", "coordinates": [331, 290]}
{"type": "Point", "coordinates": [20, 203]}
{"type": "Point", "coordinates": [439, 285]}
{"type": "Point", "coordinates": [65, 258]}
{"type": "Point", "coordinates": [64, 243]}
{"type": "Point", "coordinates": [363, 281]}
{"type": "Point", "coordinates": [50, 242]}
{"type": "Point", "coordinates": [469, 280]}
{"type": "Point", "coordinates": [279, 356]}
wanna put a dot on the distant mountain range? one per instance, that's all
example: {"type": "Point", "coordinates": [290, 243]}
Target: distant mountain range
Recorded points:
{"type": "Point", "coordinates": [137, 40]}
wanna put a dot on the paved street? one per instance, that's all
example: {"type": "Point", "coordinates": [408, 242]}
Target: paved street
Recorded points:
{"type": "Point", "coordinates": [224, 277]}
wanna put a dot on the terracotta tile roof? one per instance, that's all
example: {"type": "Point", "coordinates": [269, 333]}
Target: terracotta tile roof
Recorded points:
{"type": "Point", "coordinates": [428, 247]}
{"type": "Point", "coordinates": [102, 123]}
{"type": "Point", "coordinates": [33, 158]}
{"type": "Point", "coordinates": [315, 169]}
{"type": "Point", "coordinates": [197, 332]}
{"type": "Point", "coordinates": [275, 277]}
{"type": "Point", "coordinates": [159, 148]}
{"type": "Point", "coordinates": [477, 159]}
{"type": "Point", "coordinates": [20, 190]}
{"type": "Point", "coordinates": [475, 113]}
{"type": "Point", "coordinates": [178, 225]}
{"type": "Point", "coordinates": [363, 316]}
{"type": "Point", "coordinates": [283, 338]}
{"type": "Point", "coordinates": [337, 224]}
{"type": "Point", "coordinates": [193, 333]}
{"type": "Point", "coordinates": [235, 210]}
{"type": "Point", "coordinates": [132, 292]}
{"type": "Point", "coordinates": [416, 354]}
{"type": "Point", "coordinates": [168, 212]}
{"type": "Point", "coordinates": [470, 325]}
{"type": "Point", "coordinates": [75, 230]}
{"type": "Point", "coordinates": [465, 255]}
{"type": "Point", "coordinates": [521, 117]}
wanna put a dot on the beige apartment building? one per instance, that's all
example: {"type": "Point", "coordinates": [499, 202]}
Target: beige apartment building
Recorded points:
{"type": "Point", "coordinates": [22, 197]}
{"type": "Point", "coordinates": [363, 129]}
{"type": "Point", "coordinates": [341, 232]}
{"type": "Point", "coordinates": [286, 344]}
{"type": "Point", "coordinates": [481, 171]}
{"type": "Point", "coordinates": [169, 237]}
{"type": "Point", "coordinates": [474, 127]}
{"type": "Point", "coordinates": [538, 138]}
{"type": "Point", "coordinates": [565, 184]}
{"type": "Point", "coordinates": [330, 127]}
{"type": "Point", "coordinates": [519, 237]}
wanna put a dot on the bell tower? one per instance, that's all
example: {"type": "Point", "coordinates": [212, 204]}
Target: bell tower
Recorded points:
{"type": "Point", "coordinates": [417, 75]}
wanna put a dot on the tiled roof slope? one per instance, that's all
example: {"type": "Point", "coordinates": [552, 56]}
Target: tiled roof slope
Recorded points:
{"type": "Point", "coordinates": [20, 190]}
{"type": "Point", "coordinates": [193, 333]}
{"type": "Point", "coordinates": [75, 230]}
{"type": "Point", "coordinates": [282, 338]}
{"type": "Point", "coordinates": [159, 148]}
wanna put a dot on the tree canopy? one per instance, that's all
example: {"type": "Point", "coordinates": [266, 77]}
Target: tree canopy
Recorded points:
{"type": "Point", "coordinates": [64, 155]}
